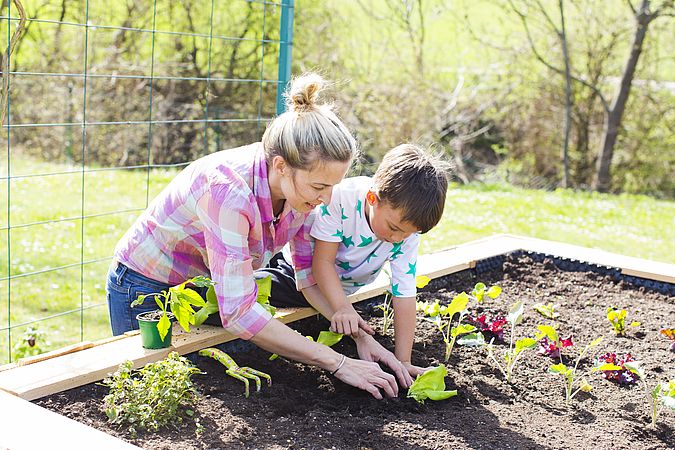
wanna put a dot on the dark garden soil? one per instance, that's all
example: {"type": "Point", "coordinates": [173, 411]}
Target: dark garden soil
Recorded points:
{"type": "Point", "coordinates": [307, 408]}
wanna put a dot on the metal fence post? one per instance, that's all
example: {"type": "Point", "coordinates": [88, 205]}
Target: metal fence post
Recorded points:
{"type": "Point", "coordinates": [285, 51]}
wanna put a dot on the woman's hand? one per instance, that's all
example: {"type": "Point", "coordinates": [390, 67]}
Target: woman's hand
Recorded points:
{"type": "Point", "coordinates": [371, 350]}
{"type": "Point", "coordinates": [413, 370]}
{"type": "Point", "coordinates": [368, 376]}
{"type": "Point", "coordinates": [347, 321]}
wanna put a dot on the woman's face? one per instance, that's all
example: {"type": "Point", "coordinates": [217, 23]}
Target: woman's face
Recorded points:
{"type": "Point", "coordinates": [305, 189]}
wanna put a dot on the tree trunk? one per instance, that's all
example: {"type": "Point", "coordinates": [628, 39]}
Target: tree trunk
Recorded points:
{"type": "Point", "coordinates": [568, 101]}
{"type": "Point", "coordinates": [602, 178]}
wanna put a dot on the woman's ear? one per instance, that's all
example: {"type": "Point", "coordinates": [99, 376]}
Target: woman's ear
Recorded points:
{"type": "Point", "coordinates": [279, 165]}
{"type": "Point", "coordinates": [371, 198]}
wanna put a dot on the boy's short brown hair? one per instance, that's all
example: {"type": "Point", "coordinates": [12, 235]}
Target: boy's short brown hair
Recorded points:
{"type": "Point", "coordinates": [414, 181]}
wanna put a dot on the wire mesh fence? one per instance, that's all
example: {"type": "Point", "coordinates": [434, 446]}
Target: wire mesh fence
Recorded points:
{"type": "Point", "coordinates": [104, 102]}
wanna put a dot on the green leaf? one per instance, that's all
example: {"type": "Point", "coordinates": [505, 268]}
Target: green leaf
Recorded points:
{"type": "Point", "coordinates": [430, 383]}
{"type": "Point", "coordinates": [163, 326]}
{"type": "Point", "coordinates": [522, 344]}
{"type": "Point", "coordinates": [558, 368]}
{"type": "Point", "coordinates": [479, 291]}
{"type": "Point", "coordinates": [549, 332]}
{"type": "Point", "coordinates": [606, 366]}
{"type": "Point", "coordinates": [458, 304]}
{"type": "Point", "coordinates": [547, 310]}
{"type": "Point", "coordinates": [139, 300]}
{"type": "Point", "coordinates": [421, 281]}
{"type": "Point", "coordinates": [595, 342]}
{"type": "Point", "coordinates": [191, 297]}
{"type": "Point", "coordinates": [264, 292]}
{"type": "Point", "coordinates": [494, 292]}
{"type": "Point", "coordinates": [636, 368]}
{"type": "Point", "coordinates": [472, 340]}
{"type": "Point", "coordinates": [210, 307]}
{"type": "Point", "coordinates": [462, 329]}
{"type": "Point", "coordinates": [201, 281]}
{"type": "Point", "coordinates": [329, 338]}
{"type": "Point", "coordinates": [272, 357]}
{"type": "Point", "coordinates": [515, 315]}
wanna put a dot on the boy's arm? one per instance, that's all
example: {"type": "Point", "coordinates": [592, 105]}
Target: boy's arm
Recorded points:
{"type": "Point", "coordinates": [405, 322]}
{"type": "Point", "coordinates": [344, 318]}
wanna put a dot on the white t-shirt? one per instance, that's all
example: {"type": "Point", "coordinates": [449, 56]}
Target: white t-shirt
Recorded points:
{"type": "Point", "coordinates": [361, 255]}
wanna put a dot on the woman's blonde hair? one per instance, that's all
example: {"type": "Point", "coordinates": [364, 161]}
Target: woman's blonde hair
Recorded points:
{"type": "Point", "coordinates": [308, 132]}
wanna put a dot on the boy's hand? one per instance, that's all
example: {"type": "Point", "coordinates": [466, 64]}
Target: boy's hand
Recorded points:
{"type": "Point", "coordinates": [347, 321]}
{"type": "Point", "coordinates": [371, 350]}
{"type": "Point", "coordinates": [413, 370]}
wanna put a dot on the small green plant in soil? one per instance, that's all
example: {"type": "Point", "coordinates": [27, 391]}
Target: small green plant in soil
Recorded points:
{"type": "Point", "coordinates": [617, 317]}
{"type": "Point", "coordinates": [618, 368]}
{"type": "Point", "coordinates": [516, 349]}
{"type": "Point", "coordinates": [386, 306]}
{"type": "Point", "coordinates": [547, 310]}
{"type": "Point", "coordinates": [242, 374]}
{"type": "Point", "coordinates": [30, 344]}
{"type": "Point", "coordinates": [480, 290]}
{"type": "Point", "coordinates": [663, 394]}
{"type": "Point", "coordinates": [157, 395]}
{"type": "Point", "coordinates": [550, 344]}
{"type": "Point", "coordinates": [442, 317]}
{"type": "Point", "coordinates": [572, 378]}
{"type": "Point", "coordinates": [180, 300]}
{"type": "Point", "coordinates": [430, 385]}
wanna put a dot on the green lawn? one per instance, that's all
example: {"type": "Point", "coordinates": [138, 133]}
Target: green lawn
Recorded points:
{"type": "Point", "coordinates": [632, 225]}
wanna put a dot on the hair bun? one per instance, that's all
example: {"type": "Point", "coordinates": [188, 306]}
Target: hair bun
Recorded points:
{"type": "Point", "coordinates": [303, 92]}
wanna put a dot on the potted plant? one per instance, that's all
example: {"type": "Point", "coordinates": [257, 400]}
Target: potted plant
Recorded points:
{"type": "Point", "coordinates": [177, 303]}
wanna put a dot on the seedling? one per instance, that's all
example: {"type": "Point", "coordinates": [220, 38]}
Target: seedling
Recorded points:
{"type": "Point", "coordinates": [547, 310]}
{"type": "Point", "coordinates": [242, 374]}
{"type": "Point", "coordinates": [180, 299]}
{"type": "Point", "coordinates": [618, 369]}
{"type": "Point", "coordinates": [442, 317]}
{"type": "Point", "coordinates": [662, 394]}
{"type": "Point", "coordinates": [157, 395]}
{"type": "Point", "coordinates": [572, 379]}
{"type": "Point", "coordinates": [386, 307]}
{"type": "Point", "coordinates": [550, 344]}
{"type": "Point", "coordinates": [617, 317]}
{"type": "Point", "coordinates": [480, 290]}
{"type": "Point", "coordinates": [515, 351]}
{"type": "Point", "coordinates": [30, 343]}
{"type": "Point", "coordinates": [430, 385]}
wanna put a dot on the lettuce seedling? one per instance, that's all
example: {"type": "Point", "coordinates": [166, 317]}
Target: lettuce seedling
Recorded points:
{"type": "Point", "coordinates": [662, 394]}
{"type": "Point", "coordinates": [550, 344]}
{"type": "Point", "coordinates": [572, 379]}
{"type": "Point", "coordinates": [180, 299]}
{"type": "Point", "coordinates": [614, 368]}
{"type": "Point", "coordinates": [547, 310]}
{"type": "Point", "coordinates": [430, 385]}
{"type": "Point", "coordinates": [480, 290]}
{"type": "Point", "coordinates": [511, 357]}
{"type": "Point", "coordinates": [491, 329]}
{"type": "Point", "coordinates": [617, 317]}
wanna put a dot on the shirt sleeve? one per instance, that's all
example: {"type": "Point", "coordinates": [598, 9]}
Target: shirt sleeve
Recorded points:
{"type": "Point", "coordinates": [302, 248]}
{"type": "Point", "coordinates": [227, 215]}
{"type": "Point", "coordinates": [403, 262]}
{"type": "Point", "coordinates": [327, 224]}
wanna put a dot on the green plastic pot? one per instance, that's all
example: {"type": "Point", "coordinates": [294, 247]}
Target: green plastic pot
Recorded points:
{"type": "Point", "coordinates": [149, 332]}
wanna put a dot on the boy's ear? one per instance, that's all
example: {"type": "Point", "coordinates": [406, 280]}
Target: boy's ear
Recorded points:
{"type": "Point", "coordinates": [372, 198]}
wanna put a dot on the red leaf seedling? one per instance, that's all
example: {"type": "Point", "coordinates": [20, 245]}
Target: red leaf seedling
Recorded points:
{"type": "Point", "coordinates": [617, 369]}
{"type": "Point", "coordinates": [550, 344]}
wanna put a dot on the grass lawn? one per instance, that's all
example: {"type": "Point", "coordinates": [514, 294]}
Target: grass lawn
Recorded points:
{"type": "Point", "coordinates": [70, 304]}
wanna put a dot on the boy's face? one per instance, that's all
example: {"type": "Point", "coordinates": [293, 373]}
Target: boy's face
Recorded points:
{"type": "Point", "coordinates": [386, 221]}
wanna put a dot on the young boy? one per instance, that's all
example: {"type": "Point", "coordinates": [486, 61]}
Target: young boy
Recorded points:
{"type": "Point", "coordinates": [367, 223]}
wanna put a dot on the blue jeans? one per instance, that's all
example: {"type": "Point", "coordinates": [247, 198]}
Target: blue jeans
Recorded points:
{"type": "Point", "coordinates": [123, 287]}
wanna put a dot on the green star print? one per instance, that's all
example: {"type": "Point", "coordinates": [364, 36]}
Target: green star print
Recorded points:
{"type": "Point", "coordinates": [344, 265]}
{"type": "Point", "coordinates": [324, 210]}
{"type": "Point", "coordinates": [358, 207]}
{"type": "Point", "coordinates": [343, 214]}
{"type": "Point", "coordinates": [396, 250]}
{"type": "Point", "coordinates": [338, 233]}
{"type": "Point", "coordinates": [347, 240]}
{"type": "Point", "coordinates": [413, 269]}
{"type": "Point", "coordinates": [369, 257]}
{"type": "Point", "coordinates": [365, 241]}
{"type": "Point", "coordinates": [394, 290]}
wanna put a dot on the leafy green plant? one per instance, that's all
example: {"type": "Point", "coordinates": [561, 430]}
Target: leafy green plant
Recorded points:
{"type": "Point", "coordinates": [516, 349]}
{"type": "Point", "coordinates": [155, 396]}
{"type": "Point", "coordinates": [617, 317]}
{"type": "Point", "coordinates": [480, 290]}
{"type": "Point", "coordinates": [180, 300]}
{"type": "Point", "coordinates": [30, 343]}
{"type": "Point", "coordinates": [547, 310]}
{"type": "Point", "coordinates": [663, 394]}
{"type": "Point", "coordinates": [442, 317]}
{"type": "Point", "coordinates": [572, 379]}
{"type": "Point", "coordinates": [430, 385]}
{"type": "Point", "coordinates": [386, 307]}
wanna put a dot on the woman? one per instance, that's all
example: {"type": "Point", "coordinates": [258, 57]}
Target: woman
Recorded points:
{"type": "Point", "coordinates": [227, 213]}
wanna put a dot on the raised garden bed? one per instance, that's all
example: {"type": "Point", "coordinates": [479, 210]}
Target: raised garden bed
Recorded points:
{"type": "Point", "coordinates": [306, 408]}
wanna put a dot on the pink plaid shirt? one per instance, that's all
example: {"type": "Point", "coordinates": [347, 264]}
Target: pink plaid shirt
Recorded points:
{"type": "Point", "coordinates": [216, 218]}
